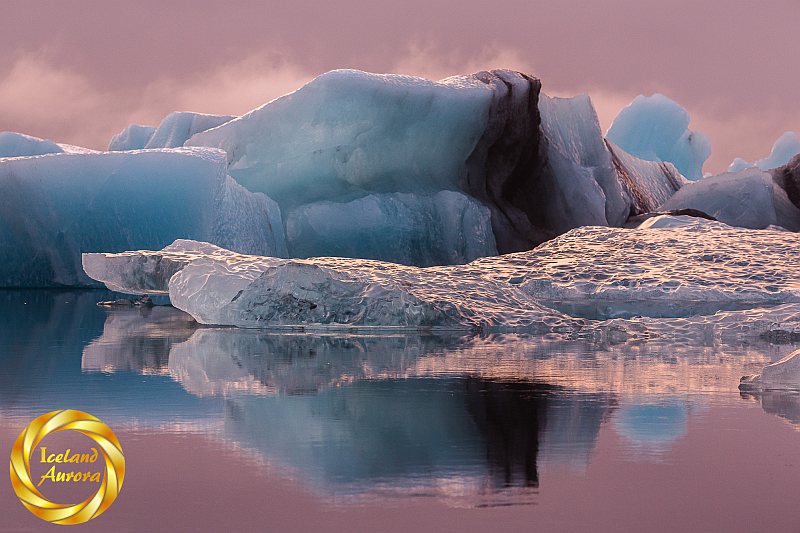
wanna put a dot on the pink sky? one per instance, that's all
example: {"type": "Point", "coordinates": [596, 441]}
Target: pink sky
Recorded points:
{"type": "Point", "coordinates": [78, 72]}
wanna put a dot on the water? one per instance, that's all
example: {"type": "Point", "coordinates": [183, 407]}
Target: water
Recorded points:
{"type": "Point", "coordinates": [237, 429]}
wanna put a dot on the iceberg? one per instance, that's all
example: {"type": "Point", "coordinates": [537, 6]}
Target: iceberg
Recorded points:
{"type": "Point", "coordinates": [781, 375]}
{"type": "Point", "coordinates": [731, 280]}
{"type": "Point", "coordinates": [785, 148]}
{"type": "Point", "coordinates": [14, 144]}
{"type": "Point", "coordinates": [172, 132]}
{"type": "Point", "coordinates": [133, 137]}
{"type": "Point", "coordinates": [59, 205]}
{"type": "Point", "coordinates": [179, 126]}
{"type": "Point", "coordinates": [656, 128]}
{"type": "Point", "coordinates": [445, 228]}
{"type": "Point", "coordinates": [750, 198]}
{"type": "Point", "coordinates": [538, 164]}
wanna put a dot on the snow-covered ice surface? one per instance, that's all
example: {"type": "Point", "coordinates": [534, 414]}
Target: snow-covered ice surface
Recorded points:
{"type": "Point", "coordinates": [749, 198]}
{"type": "Point", "coordinates": [685, 278]}
{"type": "Point", "coordinates": [656, 128]}
{"type": "Point", "coordinates": [57, 206]}
{"type": "Point", "coordinates": [785, 148]}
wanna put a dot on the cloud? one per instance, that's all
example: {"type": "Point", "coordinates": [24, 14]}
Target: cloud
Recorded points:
{"type": "Point", "coordinates": [43, 97]}
{"type": "Point", "coordinates": [231, 90]}
{"type": "Point", "coordinates": [40, 98]}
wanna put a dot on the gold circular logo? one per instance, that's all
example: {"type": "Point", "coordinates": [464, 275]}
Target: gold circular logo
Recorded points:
{"type": "Point", "coordinates": [67, 420]}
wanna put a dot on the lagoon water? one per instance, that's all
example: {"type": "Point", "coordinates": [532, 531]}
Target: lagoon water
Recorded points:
{"type": "Point", "coordinates": [244, 429]}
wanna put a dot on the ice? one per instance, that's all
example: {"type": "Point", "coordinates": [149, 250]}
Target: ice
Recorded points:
{"type": "Point", "coordinates": [353, 131]}
{"type": "Point", "coordinates": [539, 164]}
{"type": "Point", "coordinates": [701, 275]}
{"type": "Point", "coordinates": [655, 128]}
{"type": "Point", "coordinates": [784, 374]}
{"type": "Point", "coordinates": [785, 148]}
{"type": "Point", "coordinates": [14, 144]}
{"type": "Point", "coordinates": [57, 206]}
{"type": "Point", "coordinates": [587, 188]}
{"type": "Point", "coordinates": [179, 126]}
{"type": "Point", "coordinates": [749, 198]}
{"type": "Point", "coordinates": [648, 184]}
{"type": "Point", "coordinates": [133, 137]}
{"type": "Point", "coordinates": [445, 228]}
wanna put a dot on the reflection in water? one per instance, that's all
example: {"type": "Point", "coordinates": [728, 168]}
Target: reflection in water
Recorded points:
{"type": "Point", "coordinates": [784, 404]}
{"type": "Point", "coordinates": [510, 417]}
{"type": "Point", "coordinates": [470, 419]}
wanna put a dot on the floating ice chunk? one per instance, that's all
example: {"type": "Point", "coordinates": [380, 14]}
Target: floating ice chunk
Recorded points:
{"type": "Point", "coordinates": [133, 137]}
{"type": "Point", "coordinates": [414, 229]}
{"type": "Point", "coordinates": [784, 374]}
{"type": "Point", "coordinates": [14, 144]}
{"type": "Point", "coordinates": [179, 126]}
{"type": "Point", "coordinates": [699, 267]}
{"type": "Point", "coordinates": [59, 205]}
{"type": "Point", "coordinates": [217, 286]}
{"type": "Point", "coordinates": [785, 148]}
{"type": "Point", "coordinates": [655, 128]}
{"type": "Point", "coordinates": [749, 199]}
{"type": "Point", "coordinates": [668, 221]}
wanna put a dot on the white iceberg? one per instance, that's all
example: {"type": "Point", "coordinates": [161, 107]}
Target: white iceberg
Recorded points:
{"type": "Point", "coordinates": [785, 148]}
{"type": "Point", "coordinates": [57, 206]}
{"type": "Point", "coordinates": [749, 199]}
{"type": "Point", "coordinates": [783, 374]}
{"type": "Point", "coordinates": [656, 128]}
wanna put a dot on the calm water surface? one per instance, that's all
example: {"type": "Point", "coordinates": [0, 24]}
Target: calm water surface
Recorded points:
{"type": "Point", "coordinates": [245, 430]}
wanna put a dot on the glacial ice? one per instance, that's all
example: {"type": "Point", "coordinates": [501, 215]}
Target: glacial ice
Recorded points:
{"type": "Point", "coordinates": [445, 228]}
{"type": "Point", "coordinates": [749, 198]}
{"type": "Point", "coordinates": [133, 137]}
{"type": "Point", "coordinates": [539, 164]}
{"type": "Point", "coordinates": [785, 148]}
{"type": "Point", "coordinates": [731, 280]}
{"type": "Point", "coordinates": [655, 128]}
{"type": "Point", "coordinates": [77, 203]}
{"type": "Point", "coordinates": [14, 144]}
{"type": "Point", "coordinates": [587, 188]}
{"type": "Point", "coordinates": [349, 131]}
{"type": "Point", "coordinates": [180, 126]}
